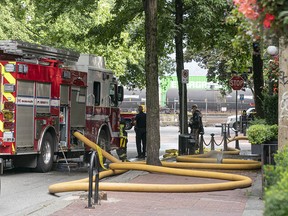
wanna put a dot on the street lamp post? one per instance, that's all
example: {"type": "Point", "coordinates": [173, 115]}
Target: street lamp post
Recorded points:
{"type": "Point", "coordinates": [272, 50]}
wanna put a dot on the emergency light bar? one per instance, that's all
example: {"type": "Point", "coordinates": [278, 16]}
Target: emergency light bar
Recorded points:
{"type": "Point", "coordinates": [29, 50]}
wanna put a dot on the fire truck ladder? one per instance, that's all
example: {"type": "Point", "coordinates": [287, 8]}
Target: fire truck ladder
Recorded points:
{"type": "Point", "coordinates": [31, 51]}
{"type": "Point", "coordinates": [65, 159]}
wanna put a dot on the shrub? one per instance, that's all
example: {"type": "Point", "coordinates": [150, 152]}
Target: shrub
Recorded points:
{"type": "Point", "coordinates": [270, 105]}
{"type": "Point", "coordinates": [274, 132]}
{"type": "Point", "coordinates": [257, 134]}
{"type": "Point", "coordinates": [276, 188]}
{"type": "Point", "coordinates": [257, 121]}
{"type": "Point", "coordinates": [262, 133]}
{"type": "Point", "coordinates": [276, 198]}
{"type": "Point", "coordinates": [272, 173]}
{"type": "Point", "coordinates": [276, 202]}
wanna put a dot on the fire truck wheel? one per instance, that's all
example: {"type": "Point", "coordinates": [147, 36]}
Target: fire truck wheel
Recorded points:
{"type": "Point", "coordinates": [103, 141]}
{"type": "Point", "coordinates": [45, 158]}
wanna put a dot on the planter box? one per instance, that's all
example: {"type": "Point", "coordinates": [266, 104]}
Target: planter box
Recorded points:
{"type": "Point", "coordinates": [268, 151]}
{"type": "Point", "coordinates": [256, 149]}
{"type": "Point", "coordinates": [260, 148]}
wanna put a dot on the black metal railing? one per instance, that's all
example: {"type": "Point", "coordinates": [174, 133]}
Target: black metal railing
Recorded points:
{"type": "Point", "coordinates": [94, 166]}
{"type": "Point", "coordinates": [212, 143]}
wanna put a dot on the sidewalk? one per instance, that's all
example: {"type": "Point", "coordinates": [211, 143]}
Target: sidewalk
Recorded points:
{"type": "Point", "coordinates": [238, 202]}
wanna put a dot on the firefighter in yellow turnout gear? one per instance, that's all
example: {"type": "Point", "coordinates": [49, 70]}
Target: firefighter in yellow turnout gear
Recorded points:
{"type": "Point", "coordinates": [122, 151]}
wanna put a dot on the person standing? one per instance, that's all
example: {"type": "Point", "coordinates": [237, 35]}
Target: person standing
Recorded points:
{"type": "Point", "coordinates": [140, 130]}
{"type": "Point", "coordinates": [122, 150]}
{"type": "Point", "coordinates": [195, 124]}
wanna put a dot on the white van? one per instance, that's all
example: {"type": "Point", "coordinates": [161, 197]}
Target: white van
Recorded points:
{"type": "Point", "coordinates": [231, 120]}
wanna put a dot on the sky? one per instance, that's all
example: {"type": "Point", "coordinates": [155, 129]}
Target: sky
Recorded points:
{"type": "Point", "coordinates": [194, 69]}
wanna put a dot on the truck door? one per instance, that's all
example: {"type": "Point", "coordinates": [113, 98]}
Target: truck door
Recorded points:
{"type": "Point", "coordinates": [25, 115]}
{"type": "Point", "coordinates": [78, 107]}
{"type": "Point", "coordinates": [64, 115]}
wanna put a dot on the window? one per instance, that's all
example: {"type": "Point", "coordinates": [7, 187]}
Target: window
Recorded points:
{"type": "Point", "coordinates": [97, 92]}
{"type": "Point", "coordinates": [113, 94]}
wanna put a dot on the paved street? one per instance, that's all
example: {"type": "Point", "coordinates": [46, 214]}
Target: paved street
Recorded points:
{"type": "Point", "coordinates": [169, 139]}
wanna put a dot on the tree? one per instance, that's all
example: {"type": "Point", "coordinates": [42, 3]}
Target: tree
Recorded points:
{"type": "Point", "coordinates": [214, 41]}
{"type": "Point", "coordinates": [14, 21]}
{"type": "Point", "coordinates": [257, 63]}
{"type": "Point", "coordinates": [115, 30]}
{"type": "Point", "coordinates": [152, 85]}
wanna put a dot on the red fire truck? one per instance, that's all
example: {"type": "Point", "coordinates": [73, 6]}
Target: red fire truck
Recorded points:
{"type": "Point", "coordinates": [48, 93]}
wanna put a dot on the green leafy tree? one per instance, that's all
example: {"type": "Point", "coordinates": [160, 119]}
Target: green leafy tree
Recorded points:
{"type": "Point", "coordinates": [14, 21]}
{"type": "Point", "coordinates": [219, 47]}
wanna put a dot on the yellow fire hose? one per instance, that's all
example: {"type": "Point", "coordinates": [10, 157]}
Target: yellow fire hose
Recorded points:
{"type": "Point", "coordinates": [118, 167]}
{"type": "Point", "coordinates": [238, 138]}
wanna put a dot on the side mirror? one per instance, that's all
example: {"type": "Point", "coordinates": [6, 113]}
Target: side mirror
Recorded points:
{"type": "Point", "coordinates": [120, 93]}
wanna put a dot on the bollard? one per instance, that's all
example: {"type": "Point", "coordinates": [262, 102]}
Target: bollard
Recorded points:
{"type": "Point", "coordinates": [212, 142]}
{"type": "Point", "coordinates": [183, 144]}
{"type": "Point", "coordinates": [191, 145]}
{"type": "Point", "coordinates": [228, 131]}
{"type": "Point", "coordinates": [225, 141]}
{"type": "Point", "coordinates": [236, 141]}
{"type": "Point", "coordinates": [201, 142]}
{"type": "Point", "coordinates": [223, 128]}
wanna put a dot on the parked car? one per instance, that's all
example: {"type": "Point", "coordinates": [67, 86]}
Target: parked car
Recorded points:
{"type": "Point", "coordinates": [231, 120]}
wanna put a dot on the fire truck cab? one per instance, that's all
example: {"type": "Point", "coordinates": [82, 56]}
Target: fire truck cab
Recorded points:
{"type": "Point", "coordinates": [46, 95]}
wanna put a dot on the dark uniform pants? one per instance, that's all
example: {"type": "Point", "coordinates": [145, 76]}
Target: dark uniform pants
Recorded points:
{"type": "Point", "coordinates": [141, 137]}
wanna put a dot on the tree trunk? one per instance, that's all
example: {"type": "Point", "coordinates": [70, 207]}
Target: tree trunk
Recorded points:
{"type": "Point", "coordinates": [258, 79]}
{"type": "Point", "coordinates": [152, 85]}
{"type": "Point", "coordinates": [180, 66]}
{"type": "Point", "coordinates": [283, 96]}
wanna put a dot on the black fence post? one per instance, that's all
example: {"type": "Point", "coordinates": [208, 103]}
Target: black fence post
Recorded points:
{"type": "Point", "coordinates": [93, 162]}
{"type": "Point", "coordinates": [201, 147]}
{"type": "Point", "coordinates": [236, 141]}
{"type": "Point", "coordinates": [212, 142]}
{"type": "Point", "coordinates": [225, 136]}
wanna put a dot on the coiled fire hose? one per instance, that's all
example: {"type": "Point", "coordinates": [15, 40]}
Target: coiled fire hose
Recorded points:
{"type": "Point", "coordinates": [233, 181]}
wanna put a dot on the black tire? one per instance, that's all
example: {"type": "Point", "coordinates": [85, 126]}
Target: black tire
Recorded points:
{"type": "Point", "coordinates": [45, 158]}
{"type": "Point", "coordinates": [128, 124]}
{"type": "Point", "coordinates": [236, 125]}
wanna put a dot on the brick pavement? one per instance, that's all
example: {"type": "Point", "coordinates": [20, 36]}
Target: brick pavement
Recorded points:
{"type": "Point", "coordinates": [222, 203]}
{"type": "Point", "coordinates": [238, 202]}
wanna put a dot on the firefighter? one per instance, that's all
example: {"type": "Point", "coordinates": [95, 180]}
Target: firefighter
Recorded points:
{"type": "Point", "coordinates": [196, 124]}
{"type": "Point", "coordinates": [244, 122]}
{"type": "Point", "coordinates": [122, 150]}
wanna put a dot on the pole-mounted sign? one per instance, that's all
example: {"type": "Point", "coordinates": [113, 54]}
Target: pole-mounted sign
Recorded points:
{"type": "Point", "coordinates": [185, 76]}
{"type": "Point", "coordinates": [236, 82]}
